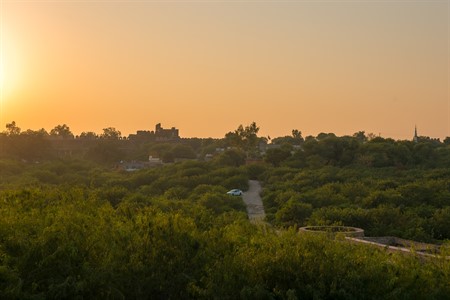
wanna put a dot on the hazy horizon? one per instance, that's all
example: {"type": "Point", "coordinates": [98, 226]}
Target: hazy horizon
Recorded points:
{"type": "Point", "coordinates": [287, 133]}
{"type": "Point", "coordinates": [206, 67]}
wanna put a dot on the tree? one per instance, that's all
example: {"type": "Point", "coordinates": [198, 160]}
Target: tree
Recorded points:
{"type": "Point", "coordinates": [323, 135]}
{"type": "Point", "coordinates": [294, 139]}
{"type": "Point", "coordinates": [168, 157]}
{"type": "Point", "coordinates": [360, 136]}
{"type": "Point", "coordinates": [111, 133]}
{"type": "Point", "coordinates": [296, 134]}
{"type": "Point", "coordinates": [12, 129]}
{"type": "Point", "coordinates": [371, 136]}
{"type": "Point", "coordinates": [244, 138]}
{"type": "Point", "coordinates": [441, 223]}
{"type": "Point", "coordinates": [233, 139]}
{"type": "Point", "coordinates": [183, 151]}
{"type": "Point", "coordinates": [62, 131]}
{"type": "Point", "coordinates": [249, 135]}
{"type": "Point", "coordinates": [277, 155]}
{"type": "Point", "coordinates": [159, 150]}
{"type": "Point", "coordinates": [231, 157]}
{"type": "Point", "coordinates": [29, 145]}
{"type": "Point", "coordinates": [89, 135]}
{"type": "Point", "coordinates": [294, 212]}
{"type": "Point", "coordinates": [41, 132]}
{"type": "Point", "coordinates": [104, 152]}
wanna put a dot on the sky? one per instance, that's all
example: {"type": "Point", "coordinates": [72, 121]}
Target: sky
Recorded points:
{"type": "Point", "coordinates": [206, 67]}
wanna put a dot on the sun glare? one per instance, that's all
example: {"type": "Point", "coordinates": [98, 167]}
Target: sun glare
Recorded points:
{"type": "Point", "coordinates": [11, 71]}
{"type": "Point", "coordinates": [1, 59]}
{"type": "Point", "coordinates": [2, 73]}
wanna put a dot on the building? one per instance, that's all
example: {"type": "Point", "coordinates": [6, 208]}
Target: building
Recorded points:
{"type": "Point", "coordinates": [162, 134]}
{"type": "Point", "coordinates": [131, 166]}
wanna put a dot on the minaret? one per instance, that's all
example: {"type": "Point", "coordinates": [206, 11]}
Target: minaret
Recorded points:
{"type": "Point", "coordinates": [415, 138]}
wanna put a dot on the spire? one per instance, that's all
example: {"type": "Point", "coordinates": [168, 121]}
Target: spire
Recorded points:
{"type": "Point", "coordinates": [415, 138]}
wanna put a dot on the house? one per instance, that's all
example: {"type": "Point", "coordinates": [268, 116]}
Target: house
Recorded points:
{"type": "Point", "coordinates": [154, 161]}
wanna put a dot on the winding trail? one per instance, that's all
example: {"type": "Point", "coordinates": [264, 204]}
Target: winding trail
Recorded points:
{"type": "Point", "coordinates": [252, 200]}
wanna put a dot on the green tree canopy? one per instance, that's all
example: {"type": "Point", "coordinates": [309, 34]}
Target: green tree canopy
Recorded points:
{"type": "Point", "coordinates": [111, 133]}
{"type": "Point", "coordinates": [62, 131]}
{"type": "Point", "coordinates": [12, 129]}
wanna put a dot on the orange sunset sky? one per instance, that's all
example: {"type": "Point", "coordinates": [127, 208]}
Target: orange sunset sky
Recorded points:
{"type": "Point", "coordinates": [207, 66]}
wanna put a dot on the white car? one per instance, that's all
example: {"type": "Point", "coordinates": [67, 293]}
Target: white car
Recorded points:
{"type": "Point", "coordinates": [235, 192]}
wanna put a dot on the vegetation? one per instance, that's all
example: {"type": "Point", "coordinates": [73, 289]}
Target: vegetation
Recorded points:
{"type": "Point", "coordinates": [386, 187]}
{"type": "Point", "coordinates": [72, 225]}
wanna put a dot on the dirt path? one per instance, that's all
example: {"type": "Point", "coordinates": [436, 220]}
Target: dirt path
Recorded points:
{"type": "Point", "coordinates": [252, 200]}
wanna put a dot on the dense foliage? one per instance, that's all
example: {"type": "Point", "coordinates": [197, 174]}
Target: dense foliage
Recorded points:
{"type": "Point", "coordinates": [383, 186]}
{"type": "Point", "coordinates": [72, 226]}
{"type": "Point", "coordinates": [413, 204]}
{"type": "Point", "coordinates": [72, 230]}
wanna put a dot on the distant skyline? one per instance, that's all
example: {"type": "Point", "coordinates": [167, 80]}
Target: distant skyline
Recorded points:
{"type": "Point", "coordinates": [206, 67]}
